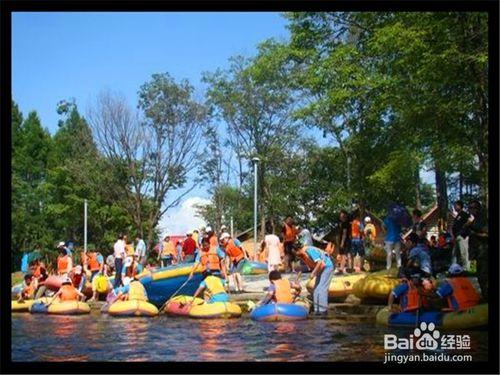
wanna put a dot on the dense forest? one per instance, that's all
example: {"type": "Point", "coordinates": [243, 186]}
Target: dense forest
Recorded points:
{"type": "Point", "coordinates": [389, 94]}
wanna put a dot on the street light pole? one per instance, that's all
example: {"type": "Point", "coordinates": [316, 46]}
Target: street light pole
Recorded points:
{"type": "Point", "coordinates": [255, 161]}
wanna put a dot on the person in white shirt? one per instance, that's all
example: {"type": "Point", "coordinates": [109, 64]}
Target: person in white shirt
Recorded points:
{"type": "Point", "coordinates": [271, 247]}
{"type": "Point", "coordinates": [119, 254]}
{"type": "Point", "coordinates": [140, 250]}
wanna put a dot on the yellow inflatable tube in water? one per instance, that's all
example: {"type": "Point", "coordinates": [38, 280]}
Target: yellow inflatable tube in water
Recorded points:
{"type": "Point", "coordinates": [215, 310]}
{"type": "Point", "coordinates": [23, 306]}
{"type": "Point", "coordinates": [68, 308]}
{"type": "Point", "coordinates": [132, 308]}
{"type": "Point", "coordinates": [340, 286]}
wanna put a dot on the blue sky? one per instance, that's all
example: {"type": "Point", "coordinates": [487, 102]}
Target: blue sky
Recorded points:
{"type": "Point", "coordinates": [76, 55]}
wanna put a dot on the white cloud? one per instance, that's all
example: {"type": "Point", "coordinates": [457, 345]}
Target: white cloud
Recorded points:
{"type": "Point", "coordinates": [183, 217]}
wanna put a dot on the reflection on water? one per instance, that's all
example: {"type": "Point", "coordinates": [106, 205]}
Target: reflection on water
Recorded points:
{"type": "Point", "coordinates": [97, 337]}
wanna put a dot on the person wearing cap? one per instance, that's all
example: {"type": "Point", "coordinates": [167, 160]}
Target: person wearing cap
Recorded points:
{"type": "Point", "coordinates": [140, 250]}
{"type": "Point", "coordinates": [119, 255]}
{"type": "Point", "coordinates": [64, 261]}
{"type": "Point", "coordinates": [132, 290]}
{"type": "Point", "coordinates": [168, 252]}
{"type": "Point", "coordinates": [457, 290]}
{"type": "Point", "coordinates": [189, 248]}
{"type": "Point", "coordinates": [237, 256]}
{"type": "Point", "coordinates": [67, 292]}
{"type": "Point", "coordinates": [370, 232]}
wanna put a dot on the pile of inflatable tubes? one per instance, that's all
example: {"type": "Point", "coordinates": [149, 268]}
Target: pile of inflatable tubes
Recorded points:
{"type": "Point", "coordinates": [216, 310]}
{"type": "Point", "coordinates": [131, 308]}
{"type": "Point", "coordinates": [474, 317]}
{"type": "Point", "coordinates": [250, 267]}
{"type": "Point", "coordinates": [340, 286]}
{"type": "Point", "coordinates": [60, 308]}
{"type": "Point", "coordinates": [161, 284]}
{"type": "Point", "coordinates": [279, 312]}
{"type": "Point", "coordinates": [178, 306]}
{"type": "Point", "coordinates": [377, 286]}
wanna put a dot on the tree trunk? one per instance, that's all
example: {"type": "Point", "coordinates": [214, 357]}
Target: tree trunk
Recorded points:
{"type": "Point", "coordinates": [418, 202]}
{"type": "Point", "coordinates": [441, 193]}
{"type": "Point", "coordinates": [460, 185]}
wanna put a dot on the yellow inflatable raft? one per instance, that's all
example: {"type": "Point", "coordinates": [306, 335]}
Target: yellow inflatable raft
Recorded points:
{"type": "Point", "coordinates": [215, 310]}
{"type": "Point", "coordinates": [132, 308]}
{"type": "Point", "coordinates": [68, 308]}
{"type": "Point", "coordinates": [340, 286]}
{"type": "Point", "coordinates": [377, 286]}
{"type": "Point", "coordinates": [23, 306]}
{"type": "Point", "coordinates": [473, 317]}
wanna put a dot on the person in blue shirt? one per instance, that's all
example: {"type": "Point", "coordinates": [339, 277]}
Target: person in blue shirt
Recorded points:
{"type": "Point", "coordinates": [419, 251]}
{"type": "Point", "coordinates": [322, 268]}
{"type": "Point", "coordinates": [392, 241]}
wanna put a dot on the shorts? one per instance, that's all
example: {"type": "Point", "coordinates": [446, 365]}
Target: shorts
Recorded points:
{"type": "Point", "coordinates": [220, 297]}
{"type": "Point", "coordinates": [236, 266]}
{"type": "Point", "coordinates": [167, 260]}
{"type": "Point", "coordinates": [357, 248]}
{"type": "Point", "coordinates": [211, 273]}
{"type": "Point", "coordinates": [289, 250]}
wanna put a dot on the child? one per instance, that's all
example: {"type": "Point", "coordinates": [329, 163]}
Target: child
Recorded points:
{"type": "Point", "coordinates": [28, 290]}
{"type": "Point", "coordinates": [67, 292]}
{"type": "Point", "coordinates": [280, 290]}
{"type": "Point", "coordinates": [215, 288]}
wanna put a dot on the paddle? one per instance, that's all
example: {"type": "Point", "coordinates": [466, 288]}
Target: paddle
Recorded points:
{"type": "Point", "coordinates": [173, 295]}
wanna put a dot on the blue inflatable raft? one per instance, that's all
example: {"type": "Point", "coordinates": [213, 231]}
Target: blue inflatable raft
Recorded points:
{"type": "Point", "coordinates": [161, 284]}
{"type": "Point", "coordinates": [279, 312]}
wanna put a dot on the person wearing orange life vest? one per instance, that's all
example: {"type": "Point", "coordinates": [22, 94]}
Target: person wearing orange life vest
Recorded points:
{"type": "Point", "coordinates": [94, 262]}
{"type": "Point", "coordinates": [410, 292]}
{"type": "Point", "coordinates": [64, 261]}
{"type": "Point", "coordinates": [236, 256]}
{"type": "Point", "coordinates": [67, 292]}
{"type": "Point", "coordinates": [168, 252]}
{"type": "Point", "coordinates": [77, 277]}
{"type": "Point", "coordinates": [322, 268]}
{"type": "Point", "coordinates": [280, 290]}
{"type": "Point", "coordinates": [28, 289]}
{"type": "Point", "coordinates": [212, 237]}
{"type": "Point", "coordinates": [458, 290]}
{"type": "Point", "coordinates": [211, 260]}
{"type": "Point", "coordinates": [357, 246]}
{"type": "Point", "coordinates": [289, 238]}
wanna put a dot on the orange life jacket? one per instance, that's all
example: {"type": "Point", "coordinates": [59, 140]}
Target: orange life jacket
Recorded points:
{"type": "Point", "coordinates": [283, 292]}
{"type": "Point", "coordinates": [210, 260]}
{"type": "Point", "coordinates": [464, 293]}
{"type": "Point", "coordinates": [213, 242]}
{"type": "Point", "coordinates": [168, 248]}
{"type": "Point", "coordinates": [290, 233]}
{"type": "Point", "coordinates": [234, 252]}
{"type": "Point", "coordinates": [414, 299]}
{"type": "Point", "coordinates": [28, 290]}
{"type": "Point", "coordinates": [92, 262]}
{"type": "Point", "coordinates": [68, 293]}
{"type": "Point", "coordinates": [62, 264]}
{"type": "Point", "coordinates": [355, 229]}
{"type": "Point", "coordinates": [37, 272]}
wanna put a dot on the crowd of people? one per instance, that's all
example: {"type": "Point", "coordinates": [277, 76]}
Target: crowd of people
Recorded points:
{"type": "Point", "coordinates": [221, 257]}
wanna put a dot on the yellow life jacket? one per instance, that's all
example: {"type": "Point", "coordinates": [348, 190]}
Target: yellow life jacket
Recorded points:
{"type": "Point", "coordinates": [137, 292]}
{"type": "Point", "coordinates": [214, 285]}
{"type": "Point", "coordinates": [101, 283]}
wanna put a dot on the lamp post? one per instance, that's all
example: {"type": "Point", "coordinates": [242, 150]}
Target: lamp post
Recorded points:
{"type": "Point", "coordinates": [85, 226]}
{"type": "Point", "coordinates": [255, 161]}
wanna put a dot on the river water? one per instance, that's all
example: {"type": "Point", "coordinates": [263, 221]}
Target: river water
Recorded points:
{"type": "Point", "coordinates": [97, 337]}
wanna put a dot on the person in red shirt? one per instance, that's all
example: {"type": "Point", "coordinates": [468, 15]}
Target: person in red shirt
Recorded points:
{"type": "Point", "coordinates": [189, 248]}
